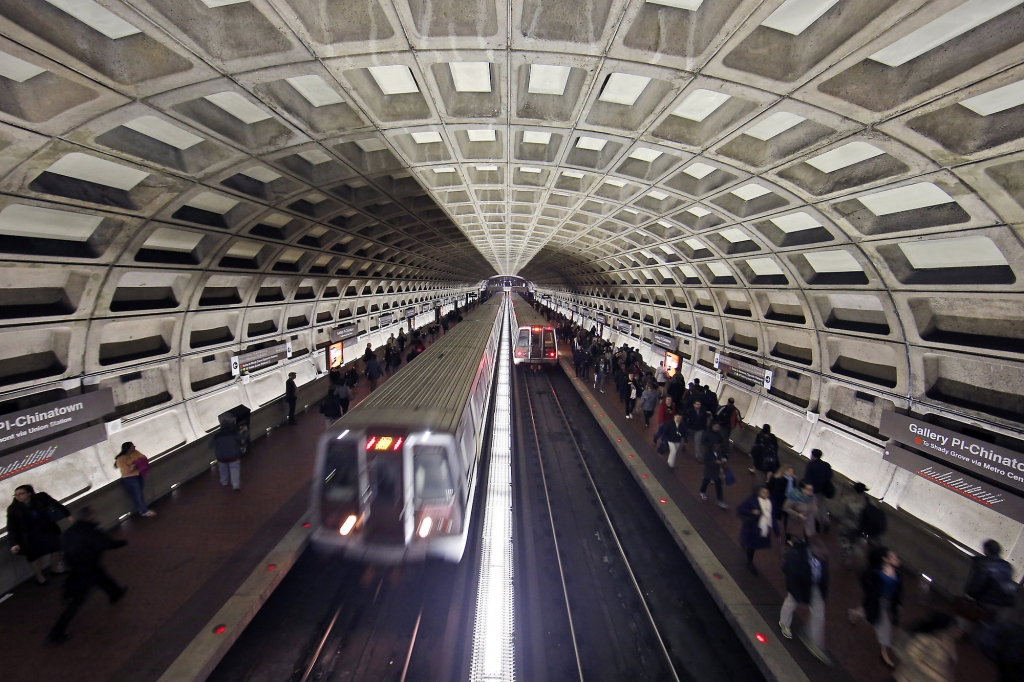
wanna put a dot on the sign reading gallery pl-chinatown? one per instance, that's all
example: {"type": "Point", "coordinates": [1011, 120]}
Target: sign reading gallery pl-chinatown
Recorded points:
{"type": "Point", "coordinates": [19, 428]}
{"type": "Point", "coordinates": [410, 312]}
{"type": "Point", "coordinates": [601, 318]}
{"type": "Point", "coordinates": [624, 326]}
{"type": "Point", "coordinates": [50, 450]}
{"type": "Point", "coordinates": [991, 461]}
{"type": "Point", "coordinates": [385, 319]}
{"type": "Point", "coordinates": [664, 340]}
{"type": "Point", "coordinates": [344, 331]}
{"type": "Point", "coordinates": [247, 363]}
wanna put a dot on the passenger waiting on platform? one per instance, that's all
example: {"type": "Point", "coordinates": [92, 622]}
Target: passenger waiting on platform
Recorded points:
{"type": "Point", "coordinates": [710, 401]}
{"type": "Point", "coordinates": [802, 507]}
{"type": "Point", "coordinates": [673, 433]}
{"type": "Point", "coordinates": [344, 394]}
{"type": "Point", "coordinates": [228, 449]}
{"type": "Point", "coordinates": [991, 583]}
{"type": "Point", "coordinates": [714, 458]}
{"type": "Point", "coordinates": [930, 652]}
{"type": "Point", "coordinates": [883, 592]}
{"type": "Point", "coordinates": [396, 360]}
{"type": "Point", "coordinates": [696, 419]}
{"type": "Point", "coordinates": [401, 340]}
{"type": "Point", "coordinates": [779, 485]}
{"type": "Point", "coordinates": [351, 377]}
{"type": "Point", "coordinates": [84, 544]}
{"type": "Point", "coordinates": [819, 474]}
{"type": "Point", "coordinates": [660, 375]}
{"type": "Point", "coordinates": [330, 406]}
{"type": "Point", "coordinates": [600, 370]}
{"type": "Point", "coordinates": [291, 397]}
{"type": "Point", "coordinates": [373, 371]}
{"type": "Point", "coordinates": [368, 353]}
{"type": "Point", "coordinates": [666, 410]}
{"type": "Point", "coordinates": [133, 464]}
{"type": "Point", "coordinates": [648, 402]}
{"type": "Point", "coordinates": [765, 452]}
{"type": "Point", "coordinates": [758, 523]}
{"type": "Point", "coordinates": [632, 392]}
{"type": "Point", "coordinates": [728, 417]}
{"type": "Point", "coordinates": [860, 523]}
{"type": "Point", "coordinates": [806, 570]}
{"type": "Point", "coordinates": [33, 532]}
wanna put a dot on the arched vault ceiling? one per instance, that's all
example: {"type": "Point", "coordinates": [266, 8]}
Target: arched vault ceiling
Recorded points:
{"type": "Point", "coordinates": [836, 183]}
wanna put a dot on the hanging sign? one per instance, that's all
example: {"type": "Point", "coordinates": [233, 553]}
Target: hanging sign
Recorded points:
{"type": "Point", "coordinates": [601, 318]}
{"type": "Point", "coordinates": [410, 312]}
{"type": "Point", "coordinates": [743, 371]}
{"type": "Point", "coordinates": [20, 428]}
{"type": "Point", "coordinates": [345, 331]}
{"type": "Point", "coordinates": [260, 359]}
{"type": "Point", "coordinates": [48, 451]}
{"type": "Point", "coordinates": [664, 341]}
{"type": "Point", "coordinates": [624, 327]}
{"type": "Point", "coordinates": [385, 319]}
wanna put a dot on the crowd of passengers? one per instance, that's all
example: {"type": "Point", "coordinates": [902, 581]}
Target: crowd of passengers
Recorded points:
{"type": "Point", "coordinates": [689, 417]}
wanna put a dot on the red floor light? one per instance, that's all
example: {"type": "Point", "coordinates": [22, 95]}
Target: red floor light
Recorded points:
{"type": "Point", "coordinates": [631, 456]}
{"type": "Point", "coordinates": [271, 567]}
{"type": "Point", "coordinates": [305, 525]}
{"type": "Point", "coordinates": [219, 629]}
{"type": "Point", "coordinates": [761, 638]}
{"type": "Point", "coordinates": [663, 500]}
{"type": "Point", "coordinates": [716, 576]}
{"type": "Point", "coordinates": [644, 475]}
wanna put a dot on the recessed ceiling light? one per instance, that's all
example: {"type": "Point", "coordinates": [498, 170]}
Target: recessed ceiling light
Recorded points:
{"type": "Point", "coordinates": [700, 104]}
{"type": "Point", "coordinates": [691, 5]}
{"type": "Point", "coordinates": [699, 170]}
{"type": "Point", "coordinates": [370, 144]}
{"type": "Point", "coordinates": [994, 101]}
{"type": "Point", "coordinates": [657, 195]}
{"type": "Point", "coordinates": [734, 235]}
{"type": "Point", "coordinates": [471, 76]}
{"type": "Point", "coordinates": [214, 203]}
{"type": "Point", "coordinates": [751, 191]}
{"type": "Point", "coordinates": [573, 174]}
{"type": "Point", "coordinates": [694, 243]}
{"type": "Point", "coordinates": [764, 267]}
{"type": "Point", "coordinates": [427, 137]}
{"type": "Point", "coordinates": [315, 90]}
{"type": "Point", "coordinates": [906, 198]}
{"type": "Point", "coordinates": [261, 174]}
{"type": "Point", "coordinates": [958, 252]}
{"type": "Point", "coordinates": [615, 182]}
{"type": "Point", "coordinates": [794, 16]}
{"type": "Point", "coordinates": [536, 137]}
{"type": "Point", "coordinates": [486, 169]}
{"type": "Point", "coordinates": [795, 222]}
{"type": "Point", "coordinates": [698, 211]}
{"type": "Point", "coordinates": [955, 22]}
{"type": "Point", "coordinates": [548, 80]}
{"type": "Point", "coordinates": [591, 143]}
{"type": "Point", "coordinates": [214, 4]}
{"type": "Point", "coordinates": [833, 261]}
{"type": "Point", "coordinates": [162, 131]}
{"type": "Point", "coordinates": [394, 80]}
{"type": "Point", "coordinates": [238, 106]}
{"type": "Point", "coordinates": [623, 88]}
{"type": "Point", "coordinates": [483, 135]}
{"type": "Point", "coordinates": [97, 17]}
{"type": "Point", "coordinates": [776, 124]}
{"type": "Point", "coordinates": [444, 169]}
{"type": "Point", "coordinates": [314, 156]}
{"type": "Point", "coordinates": [18, 70]}
{"type": "Point", "coordinates": [276, 220]}
{"type": "Point", "coordinates": [844, 156]}
{"type": "Point", "coordinates": [645, 154]}
{"type": "Point", "coordinates": [529, 169]}
{"type": "Point", "coordinates": [96, 170]}
{"type": "Point", "coordinates": [719, 269]}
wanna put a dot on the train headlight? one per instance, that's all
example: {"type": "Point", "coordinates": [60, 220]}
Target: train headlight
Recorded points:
{"type": "Point", "coordinates": [425, 525]}
{"type": "Point", "coordinates": [349, 524]}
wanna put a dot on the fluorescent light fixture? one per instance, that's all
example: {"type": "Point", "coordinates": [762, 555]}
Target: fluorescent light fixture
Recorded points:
{"type": "Point", "coordinates": [536, 137]}
{"type": "Point", "coordinates": [290, 256]}
{"type": "Point", "coordinates": [427, 137]}
{"type": "Point", "coordinates": [847, 155]}
{"type": "Point", "coordinates": [958, 252]}
{"type": "Point", "coordinates": [833, 261]}
{"type": "Point", "coordinates": [953, 23]}
{"type": "Point", "coordinates": [471, 76]}
{"type": "Point", "coordinates": [260, 174]}
{"type": "Point", "coordinates": [482, 135]}
{"type": "Point", "coordinates": [630, 211]}
{"type": "Point", "coordinates": [764, 267]}
{"type": "Point", "coordinates": [242, 249]}
{"type": "Point", "coordinates": [615, 182]}
{"type": "Point", "coordinates": [314, 156]}
{"type": "Point", "coordinates": [906, 198]}
{"type": "Point", "coordinates": [99, 171]}
{"type": "Point", "coordinates": [394, 80]}
{"type": "Point", "coordinates": [645, 154]}
{"type": "Point", "coordinates": [166, 239]}
{"type": "Point", "coordinates": [699, 170]}
{"type": "Point", "coordinates": [795, 222]}
{"type": "Point", "coordinates": [668, 225]}
{"type": "Point", "coordinates": [214, 4]}
{"type": "Point", "coordinates": [487, 169]}
{"type": "Point", "coordinates": [657, 195]}
{"type": "Point", "coordinates": [994, 101]}
{"type": "Point", "coordinates": [529, 169]}
{"type": "Point", "coordinates": [276, 220]}
{"type": "Point", "coordinates": [694, 243]}
{"type": "Point", "coordinates": [700, 104]}
{"type": "Point", "coordinates": [573, 174]}
{"type": "Point", "coordinates": [18, 70]}
{"type": "Point", "coordinates": [623, 88]}
{"type": "Point", "coordinates": [794, 16]}
{"type": "Point", "coordinates": [214, 203]}
{"type": "Point", "coordinates": [162, 131]}
{"type": "Point", "coordinates": [691, 5]}
{"type": "Point", "coordinates": [18, 220]}
{"type": "Point", "coordinates": [591, 143]}
{"type": "Point", "coordinates": [776, 124]}
{"type": "Point", "coordinates": [734, 235]}
{"type": "Point", "coordinates": [96, 17]}
{"type": "Point", "coordinates": [315, 89]}
{"type": "Point", "coordinates": [751, 191]}
{"type": "Point", "coordinates": [238, 106]}
{"type": "Point", "coordinates": [548, 80]}
{"type": "Point", "coordinates": [370, 144]}
{"type": "Point", "coordinates": [440, 170]}
{"type": "Point", "coordinates": [719, 269]}
{"type": "Point", "coordinates": [698, 211]}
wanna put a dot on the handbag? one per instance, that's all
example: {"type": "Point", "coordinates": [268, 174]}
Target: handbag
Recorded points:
{"type": "Point", "coordinates": [730, 478]}
{"type": "Point", "coordinates": [663, 448]}
{"type": "Point", "coordinates": [56, 514]}
{"type": "Point", "coordinates": [141, 465]}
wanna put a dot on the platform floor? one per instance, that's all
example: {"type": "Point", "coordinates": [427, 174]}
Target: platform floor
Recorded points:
{"type": "Point", "coordinates": [179, 567]}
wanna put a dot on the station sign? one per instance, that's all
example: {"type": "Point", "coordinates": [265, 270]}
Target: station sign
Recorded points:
{"type": "Point", "coordinates": [574, 308]}
{"type": "Point", "coordinates": [385, 319]}
{"type": "Point", "coordinates": [247, 363]}
{"type": "Point", "coordinates": [426, 307]}
{"type": "Point", "coordinates": [20, 428]}
{"type": "Point", "coordinates": [624, 326]}
{"type": "Point", "coordinates": [665, 341]}
{"type": "Point", "coordinates": [601, 318]}
{"type": "Point", "coordinates": [33, 456]}
{"type": "Point", "coordinates": [345, 331]}
{"type": "Point", "coordinates": [437, 304]}
{"type": "Point", "coordinates": [743, 371]}
{"type": "Point", "coordinates": [410, 312]}
{"type": "Point", "coordinates": [546, 297]}
{"type": "Point", "coordinates": [994, 462]}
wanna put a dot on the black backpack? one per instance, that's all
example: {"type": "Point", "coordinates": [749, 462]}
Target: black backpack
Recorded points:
{"type": "Point", "coordinates": [873, 521]}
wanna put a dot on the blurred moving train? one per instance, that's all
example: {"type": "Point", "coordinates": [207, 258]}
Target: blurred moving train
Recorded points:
{"type": "Point", "coordinates": [395, 477]}
{"type": "Point", "coordinates": [536, 343]}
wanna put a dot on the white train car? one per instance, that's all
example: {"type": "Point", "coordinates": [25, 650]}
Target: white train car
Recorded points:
{"type": "Point", "coordinates": [536, 341]}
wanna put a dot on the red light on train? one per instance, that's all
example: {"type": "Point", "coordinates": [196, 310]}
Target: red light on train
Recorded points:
{"type": "Point", "coordinates": [398, 444]}
{"type": "Point", "coordinates": [551, 353]}
{"type": "Point", "coordinates": [370, 443]}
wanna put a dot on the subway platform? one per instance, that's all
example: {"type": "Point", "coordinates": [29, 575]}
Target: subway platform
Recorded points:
{"type": "Point", "coordinates": [183, 568]}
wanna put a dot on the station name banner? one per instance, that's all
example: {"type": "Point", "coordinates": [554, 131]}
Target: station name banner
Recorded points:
{"type": "Point", "coordinates": [664, 340]}
{"type": "Point", "coordinates": [410, 312]}
{"type": "Point", "coordinates": [345, 331]}
{"type": "Point", "coordinates": [386, 319]}
{"type": "Point", "coordinates": [43, 453]}
{"type": "Point", "coordinates": [574, 308]}
{"type": "Point", "coordinates": [19, 428]}
{"type": "Point", "coordinates": [991, 461]}
{"type": "Point", "coordinates": [624, 327]}
{"type": "Point", "coordinates": [974, 490]}
{"type": "Point", "coordinates": [601, 318]}
{"type": "Point", "coordinates": [744, 371]}
{"type": "Point", "coordinates": [546, 297]}
{"type": "Point", "coordinates": [426, 307]}
{"type": "Point", "coordinates": [247, 363]}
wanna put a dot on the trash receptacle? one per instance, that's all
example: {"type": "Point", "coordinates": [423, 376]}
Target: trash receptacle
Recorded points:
{"type": "Point", "coordinates": [237, 419]}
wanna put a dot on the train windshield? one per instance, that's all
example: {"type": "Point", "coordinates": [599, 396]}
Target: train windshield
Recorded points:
{"type": "Point", "coordinates": [341, 473]}
{"type": "Point", "coordinates": [432, 474]}
{"type": "Point", "coordinates": [549, 343]}
{"type": "Point", "coordinates": [524, 338]}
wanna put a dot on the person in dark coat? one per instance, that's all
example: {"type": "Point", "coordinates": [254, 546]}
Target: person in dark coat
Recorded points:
{"type": "Point", "coordinates": [991, 583]}
{"type": "Point", "coordinates": [228, 450]}
{"type": "Point", "coordinates": [819, 474]}
{"type": "Point", "coordinates": [373, 371]}
{"type": "Point", "coordinates": [32, 531]}
{"type": "Point", "coordinates": [673, 432]}
{"type": "Point", "coordinates": [330, 406]}
{"type": "Point", "coordinates": [765, 452]}
{"type": "Point", "coordinates": [714, 457]}
{"type": "Point", "coordinates": [758, 523]}
{"type": "Point", "coordinates": [696, 419]}
{"type": "Point", "coordinates": [351, 377]}
{"type": "Point", "coordinates": [291, 397]}
{"type": "Point", "coordinates": [84, 544]}
{"type": "Point", "coordinates": [882, 584]}
{"type": "Point", "coordinates": [806, 570]}
{"type": "Point", "coordinates": [779, 485]}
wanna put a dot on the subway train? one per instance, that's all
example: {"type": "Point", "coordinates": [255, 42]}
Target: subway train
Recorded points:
{"type": "Point", "coordinates": [536, 341]}
{"type": "Point", "coordinates": [395, 477]}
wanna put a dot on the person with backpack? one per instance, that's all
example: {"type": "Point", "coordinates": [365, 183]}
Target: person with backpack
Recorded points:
{"type": "Point", "coordinates": [991, 583]}
{"type": "Point", "coordinates": [228, 450]}
{"type": "Point", "coordinates": [32, 529]}
{"type": "Point", "coordinates": [819, 474]}
{"type": "Point", "coordinates": [765, 452]}
{"type": "Point", "coordinates": [373, 371]}
{"type": "Point", "coordinates": [859, 521]}
{"type": "Point", "coordinates": [344, 394]}
{"type": "Point", "coordinates": [133, 466]}
{"type": "Point", "coordinates": [330, 407]}
{"type": "Point", "coordinates": [728, 417]}
{"type": "Point", "coordinates": [714, 460]}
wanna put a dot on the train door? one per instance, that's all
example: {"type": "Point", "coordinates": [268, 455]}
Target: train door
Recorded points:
{"type": "Point", "coordinates": [389, 520]}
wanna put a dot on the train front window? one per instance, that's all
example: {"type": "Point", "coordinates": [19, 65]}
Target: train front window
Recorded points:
{"type": "Point", "coordinates": [432, 473]}
{"type": "Point", "coordinates": [341, 473]}
{"type": "Point", "coordinates": [549, 343]}
{"type": "Point", "coordinates": [524, 338]}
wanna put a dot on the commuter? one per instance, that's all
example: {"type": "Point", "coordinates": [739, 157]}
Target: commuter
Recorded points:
{"type": "Point", "coordinates": [351, 378]}
{"type": "Point", "coordinates": [84, 544]}
{"type": "Point", "coordinates": [290, 397]}
{"type": "Point", "coordinates": [600, 370]}
{"type": "Point", "coordinates": [344, 394]}
{"type": "Point", "coordinates": [728, 417]}
{"type": "Point", "coordinates": [368, 353]}
{"type": "Point", "coordinates": [806, 570]}
{"type": "Point", "coordinates": [673, 433]}
{"type": "Point", "coordinates": [779, 485]}
{"type": "Point", "coordinates": [330, 406]}
{"type": "Point", "coordinates": [676, 388]}
{"type": "Point", "coordinates": [929, 654]}
{"type": "Point", "coordinates": [819, 473]}
{"type": "Point", "coordinates": [765, 451]}
{"type": "Point", "coordinates": [649, 401]}
{"type": "Point", "coordinates": [131, 463]}
{"type": "Point", "coordinates": [882, 584]}
{"type": "Point", "coordinates": [660, 375]}
{"type": "Point", "coordinates": [389, 352]}
{"type": "Point", "coordinates": [710, 400]}
{"type": "Point", "coordinates": [373, 370]}
{"type": "Point", "coordinates": [714, 459]}
{"type": "Point", "coordinates": [802, 505]}
{"type": "Point", "coordinates": [402, 340]}
{"type": "Point", "coordinates": [859, 522]}
{"type": "Point", "coordinates": [396, 361]}
{"type": "Point", "coordinates": [228, 449]}
{"type": "Point", "coordinates": [666, 410]}
{"type": "Point", "coordinates": [33, 532]}
{"type": "Point", "coordinates": [696, 419]}
{"type": "Point", "coordinates": [444, 324]}
{"type": "Point", "coordinates": [631, 396]}
{"type": "Point", "coordinates": [758, 523]}
{"type": "Point", "coordinates": [991, 583]}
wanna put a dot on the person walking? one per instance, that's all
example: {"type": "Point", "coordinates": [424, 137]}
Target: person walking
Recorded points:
{"type": "Point", "coordinates": [660, 375]}
{"type": "Point", "coordinates": [631, 395]}
{"type": "Point", "coordinates": [802, 505]}
{"type": "Point", "coordinates": [291, 397]}
{"type": "Point", "coordinates": [991, 583]}
{"type": "Point", "coordinates": [84, 544]}
{"type": "Point", "coordinates": [779, 485]}
{"type": "Point", "coordinates": [930, 652]}
{"type": "Point", "coordinates": [373, 371]}
{"type": "Point", "coordinates": [758, 523]}
{"type": "Point", "coordinates": [330, 407]}
{"type": "Point", "coordinates": [696, 419]}
{"type": "Point", "coordinates": [714, 458]}
{"type": "Point", "coordinates": [806, 571]}
{"type": "Point", "coordinates": [819, 474]}
{"type": "Point", "coordinates": [131, 463]}
{"type": "Point", "coordinates": [649, 401]}
{"type": "Point", "coordinates": [765, 452]}
{"type": "Point", "coordinates": [396, 360]}
{"type": "Point", "coordinates": [228, 450]}
{"type": "Point", "coordinates": [665, 412]}
{"type": "Point", "coordinates": [344, 394]}
{"type": "Point", "coordinates": [600, 369]}
{"type": "Point", "coordinates": [728, 417]}
{"type": "Point", "coordinates": [883, 592]}
{"type": "Point", "coordinates": [32, 530]}
{"type": "Point", "coordinates": [673, 432]}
